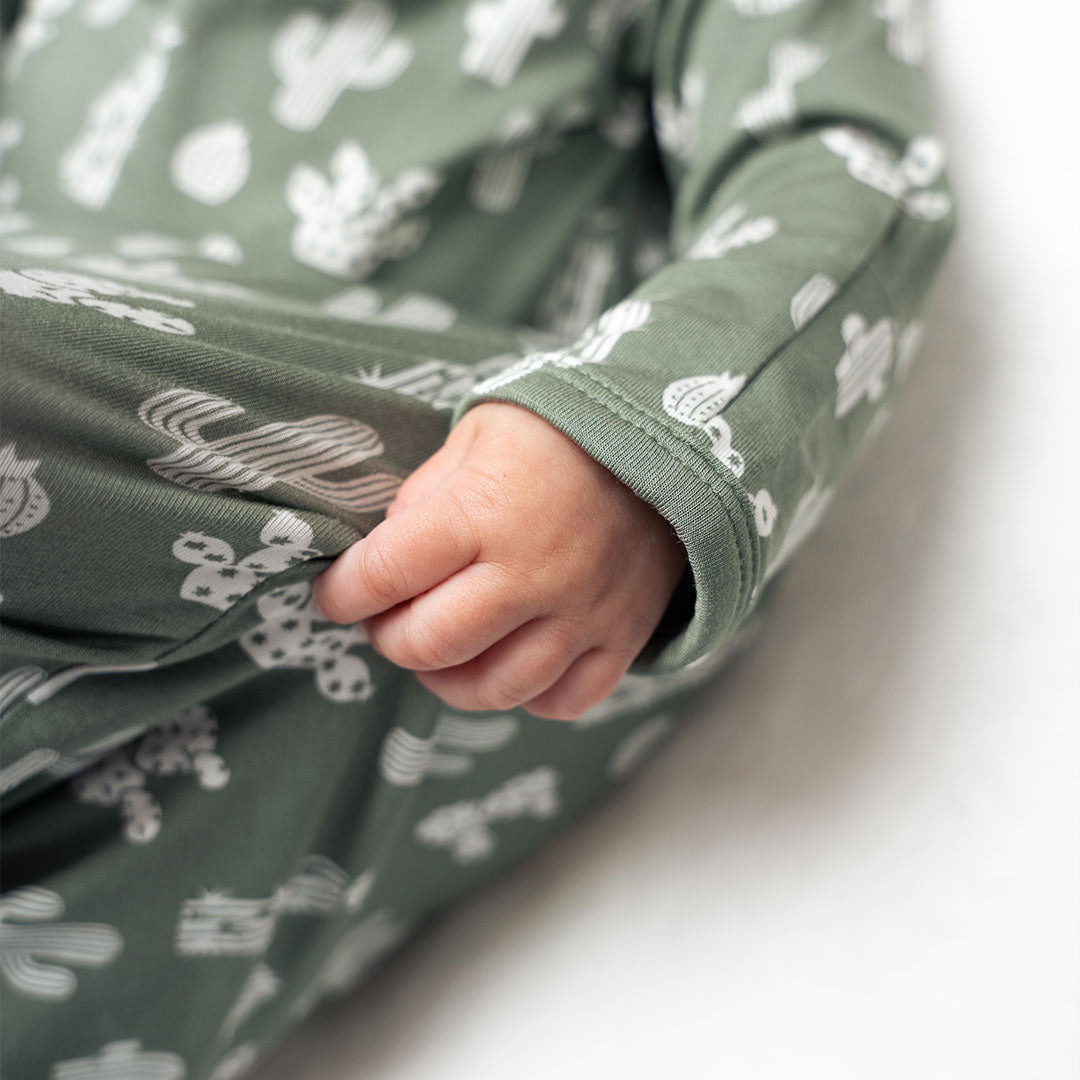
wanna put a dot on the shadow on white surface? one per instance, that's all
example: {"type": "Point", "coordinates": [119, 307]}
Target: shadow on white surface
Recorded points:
{"type": "Point", "coordinates": [762, 783]}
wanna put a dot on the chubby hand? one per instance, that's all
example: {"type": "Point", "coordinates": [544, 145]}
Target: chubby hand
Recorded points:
{"type": "Point", "coordinates": [511, 569]}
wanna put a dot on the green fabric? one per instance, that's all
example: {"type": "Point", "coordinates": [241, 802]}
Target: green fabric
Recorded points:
{"type": "Point", "coordinates": [256, 262]}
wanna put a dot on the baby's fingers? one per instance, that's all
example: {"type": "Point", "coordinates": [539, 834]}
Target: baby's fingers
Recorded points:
{"type": "Point", "coordinates": [403, 556]}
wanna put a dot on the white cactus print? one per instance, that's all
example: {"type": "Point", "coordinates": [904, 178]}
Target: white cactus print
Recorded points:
{"type": "Point", "coordinates": [123, 1059]}
{"type": "Point", "coordinates": [236, 1063]}
{"type": "Point", "coordinates": [633, 749]}
{"type": "Point", "coordinates": [90, 168]}
{"type": "Point", "coordinates": [465, 827]}
{"type": "Point", "coordinates": [56, 764]}
{"type": "Point", "coordinates": [608, 20]}
{"type": "Point", "coordinates": [728, 232]}
{"type": "Point", "coordinates": [44, 688]}
{"type": "Point", "coordinates": [352, 957]}
{"type": "Point", "coordinates": [872, 163]}
{"type": "Point", "coordinates": [217, 924]}
{"type": "Point", "coordinates": [253, 460]}
{"type": "Point", "coordinates": [17, 682]}
{"type": "Point", "coordinates": [351, 223]}
{"type": "Point", "coordinates": [318, 59]}
{"type": "Point", "coordinates": [23, 501]}
{"type": "Point", "coordinates": [765, 512]}
{"type": "Point", "coordinates": [440, 383]}
{"type": "Point", "coordinates": [499, 176]}
{"type": "Point", "coordinates": [501, 32]}
{"type": "Point", "coordinates": [101, 14]}
{"type": "Point", "coordinates": [20, 770]}
{"type": "Point", "coordinates": [806, 517]}
{"type": "Point", "coordinates": [772, 109]}
{"type": "Point", "coordinates": [575, 298]}
{"type": "Point", "coordinates": [811, 298]}
{"type": "Point", "coordinates": [33, 30]}
{"type": "Point", "coordinates": [418, 311]}
{"type": "Point", "coordinates": [219, 579]}
{"type": "Point", "coordinates": [65, 287]}
{"type": "Point", "coordinates": [678, 121]}
{"type": "Point", "coordinates": [863, 369]}
{"type": "Point", "coordinates": [286, 638]}
{"type": "Point", "coordinates": [754, 8]}
{"type": "Point", "coordinates": [184, 744]}
{"type": "Point", "coordinates": [211, 164]}
{"type": "Point", "coordinates": [34, 953]}
{"type": "Point", "coordinates": [261, 986]}
{"type": "Point", "coordinates": [214, 247]}
{"type": "Point", "coordinates": [405, 759]}
{"type": "Point", "coordinates": [595, 344]}
{"type": "Point", "coordinates": [906, 28]}
{"type": "Point", "coordinates": [698, 401]}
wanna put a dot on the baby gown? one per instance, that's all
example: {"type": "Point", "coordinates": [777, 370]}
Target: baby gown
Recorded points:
{"type": "Point", "coordinates": [256, 261]}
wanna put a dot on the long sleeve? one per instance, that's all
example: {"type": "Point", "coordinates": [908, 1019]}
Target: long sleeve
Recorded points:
{"type": "Point", "coordinates": [734, 386]}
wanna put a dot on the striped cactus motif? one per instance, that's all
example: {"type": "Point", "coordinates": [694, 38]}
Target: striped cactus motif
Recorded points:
{"type": "Point", "coordinates": [35, 949]}
{"type": "Point", "coordinates": [811, 298]}
{"type": "Point", "coordinates": [217, 924]}
{"type": "Point", "coordinates": [500, 174]}
{"type": "Point", "coordinates": [677, 120]}
{"type": "Point", "coordinates": [804, 519]}
{"type": "Point", "coordinates": [753, 8]}
{"type": "Point", "coordinates": [863, 369]}
{"type": "Point", "coordinates": [591, 348]}
{"type": "Point", "coordinates": [405, 758]}
{"type": "Point", "coordinates": [296, 453]}
{"type": "Point", "coordinates": [771, 109]}
{"type": "Point", "coordinates": [123, 1059]}
{"type": "Point", "coordinates": [90, 168]}
{"type": "Point", "coordinates": [23, 501]}
{"type": "Point", "coordinates": [501, 33]}
{"type": "Point", "coordinates": [907, 181]}
{"type": "Point", "coordinates": [639, 744]}
{"type": "Point", "coordinates": [361, 947]}
{"type": "Point", "coordinates": [317, 60]}
{"type": "Point", "coordinates": [465, 827]}
{"type": "Point", "coordinates": [905, 35]}
{"type": "Point", "coordinates": [728, 233]}
{"type": "Point", "coordinates": [259, 987]}
{"type": "Point", "coordinates": [575, 297]}
{"type": "Point", "coordinates": [418, 311]}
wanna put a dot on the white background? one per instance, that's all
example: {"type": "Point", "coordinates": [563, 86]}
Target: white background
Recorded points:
{"type": "Point", "coordinates": [861, 861]}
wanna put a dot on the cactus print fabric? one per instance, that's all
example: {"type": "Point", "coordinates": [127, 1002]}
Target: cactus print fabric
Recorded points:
{"type": "Point", "coordinates": [257, 260]}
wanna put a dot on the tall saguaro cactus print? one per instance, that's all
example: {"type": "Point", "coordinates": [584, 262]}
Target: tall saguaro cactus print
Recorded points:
{"type": "Point", "coordinates": [317, 60]}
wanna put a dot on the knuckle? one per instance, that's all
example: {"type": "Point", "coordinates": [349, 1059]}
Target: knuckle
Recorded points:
{"type": "Point", "coordinates": [380, 574]}
{"type": "Point", "coordinates": [427, 646]}
{"type": "Point", "coordinates": [501, 691]}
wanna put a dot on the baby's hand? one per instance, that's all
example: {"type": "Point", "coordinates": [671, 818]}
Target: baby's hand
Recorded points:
{"type": "Point", "coordinates": [511, 569]}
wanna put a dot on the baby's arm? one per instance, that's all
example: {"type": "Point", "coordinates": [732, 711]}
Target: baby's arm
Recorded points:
{"type": "Point", "coordinates": [511, 569]}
